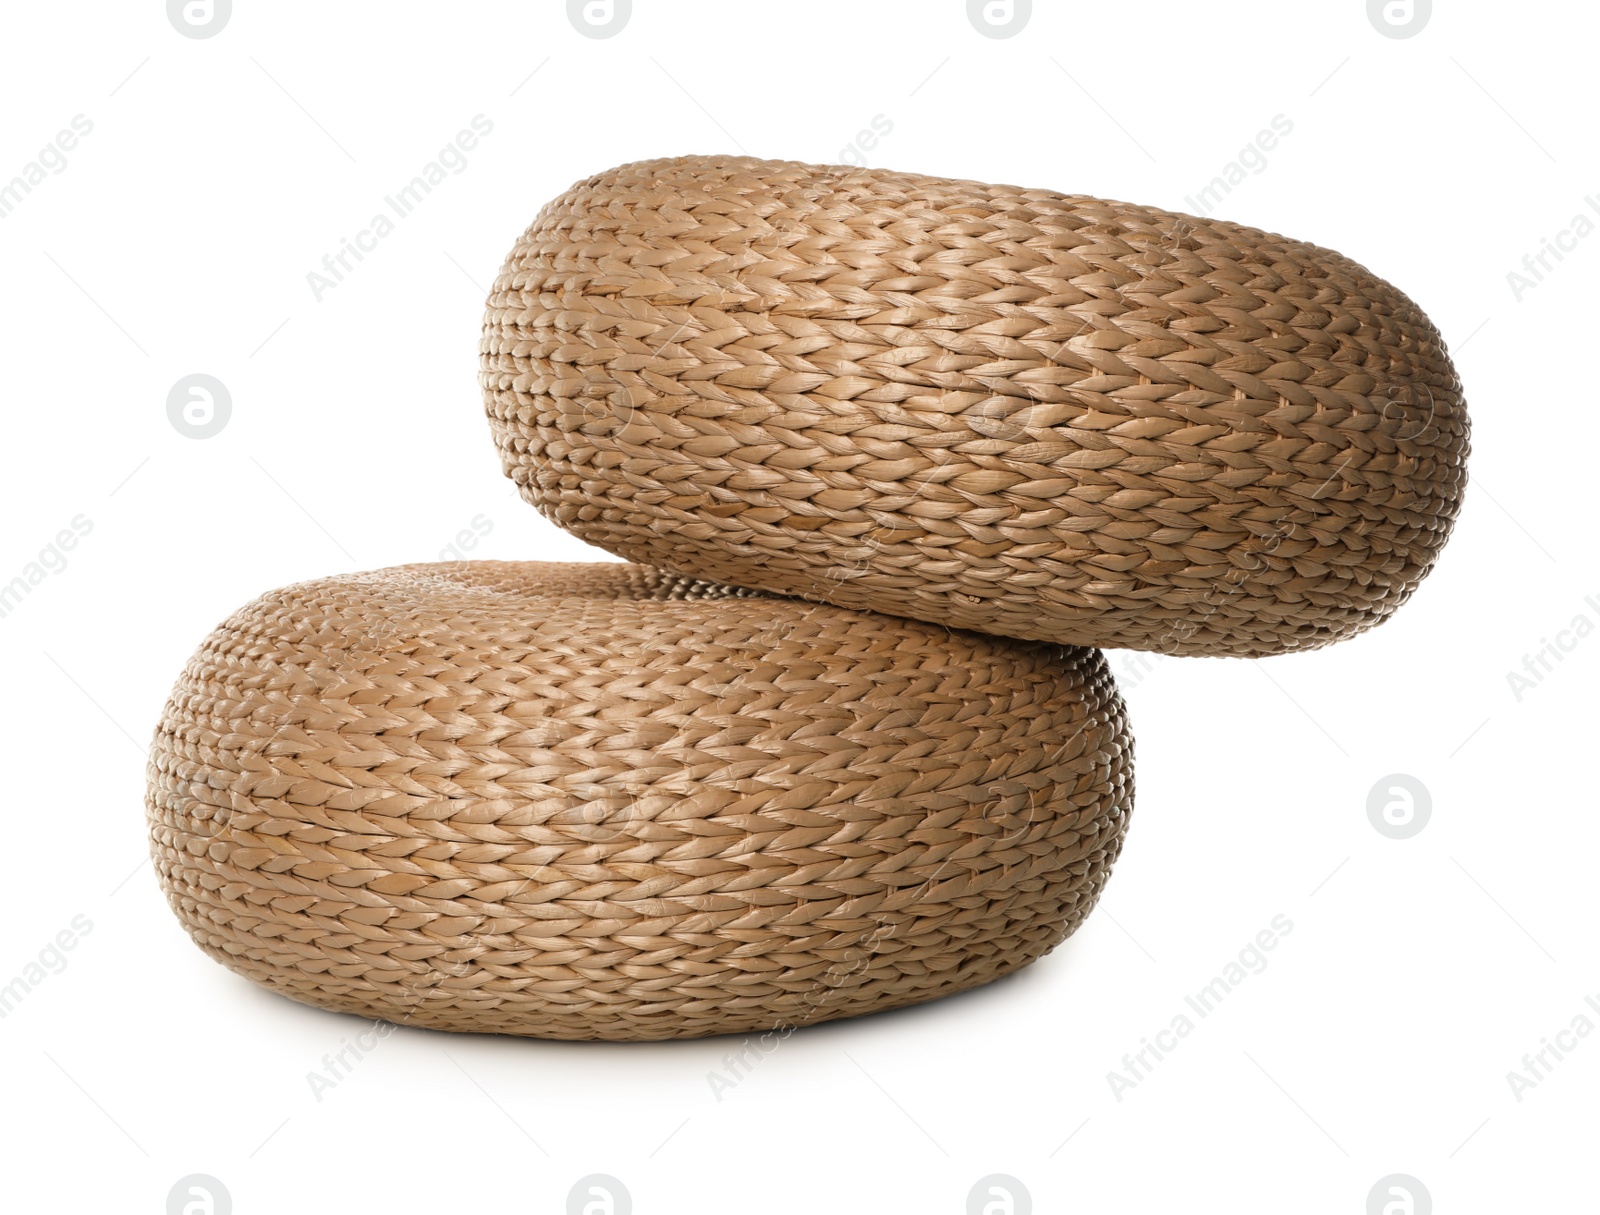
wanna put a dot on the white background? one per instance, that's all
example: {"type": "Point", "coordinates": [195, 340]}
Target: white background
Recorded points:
{"type": "Point", "coordinates": [1419, 972]}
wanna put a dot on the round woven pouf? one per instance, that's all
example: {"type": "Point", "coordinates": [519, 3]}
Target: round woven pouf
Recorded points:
{"type": "Point", "coordinates": [1027, 413]}
{"type": "Point", "coordinates": [601, 801]}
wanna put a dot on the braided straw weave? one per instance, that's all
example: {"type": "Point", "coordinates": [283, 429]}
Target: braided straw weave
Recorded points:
{"type": "Point", "coordinates": [601, 801]}
{"type": "Point", "coordinates": [1027, 413]}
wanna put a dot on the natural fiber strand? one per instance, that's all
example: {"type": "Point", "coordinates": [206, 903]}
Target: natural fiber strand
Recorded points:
{"type": "Point", "coordinates": [1033, 414]}
{"type": "Point", "coordinates": [603, 801]}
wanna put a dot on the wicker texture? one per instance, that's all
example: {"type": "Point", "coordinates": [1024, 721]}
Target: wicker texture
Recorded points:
{"type": "Point", "coordinates": [601, 801]}
{"type": "Point", "coordinates": [1031, 414]}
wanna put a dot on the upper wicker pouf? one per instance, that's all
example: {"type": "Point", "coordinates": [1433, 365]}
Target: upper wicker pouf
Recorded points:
{"type": "Point", "coordinates": [1027, 413]}
{"type": "Point", "coordinates": [600, 801]}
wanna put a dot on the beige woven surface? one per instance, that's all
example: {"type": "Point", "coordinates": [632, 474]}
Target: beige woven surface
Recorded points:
{"type": "Point", "coordinates": [1033, 414]}
{"type": "Point", "coordinates": [598, 801]}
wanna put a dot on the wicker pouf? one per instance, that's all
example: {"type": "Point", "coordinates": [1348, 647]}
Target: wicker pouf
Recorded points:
{"type": "Point", "coordinates": [1032, 414]}
{"type": "Point", "coordinates": [600, 801]}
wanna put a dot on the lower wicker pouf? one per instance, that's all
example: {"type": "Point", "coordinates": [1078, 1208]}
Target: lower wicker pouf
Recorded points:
{"type": "Point", "coordinates": [603, 801]}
